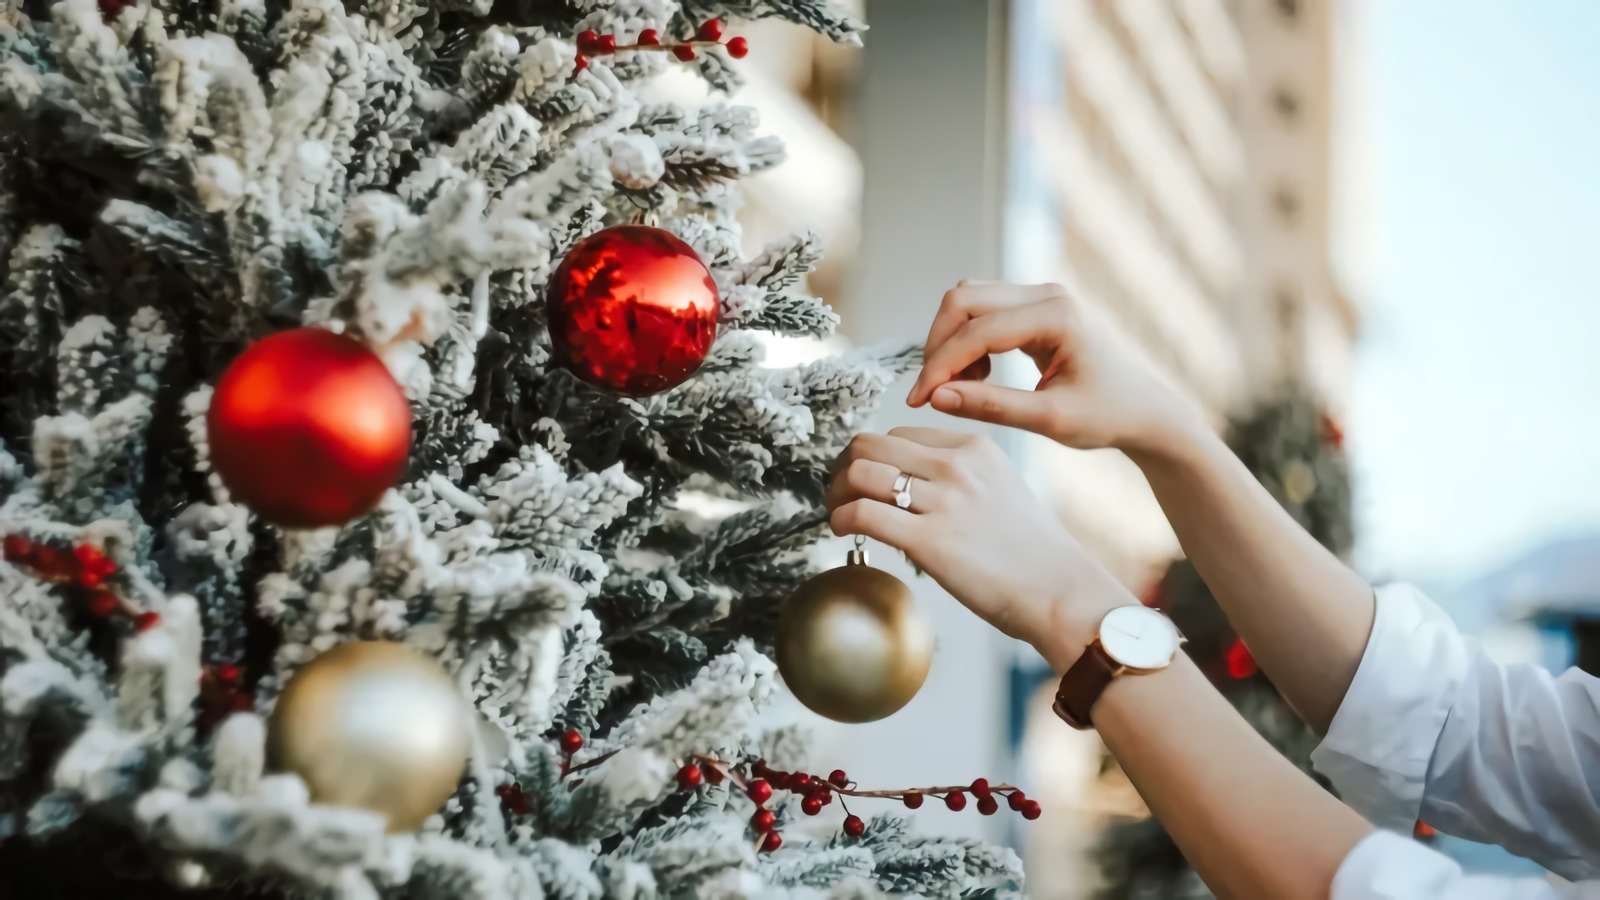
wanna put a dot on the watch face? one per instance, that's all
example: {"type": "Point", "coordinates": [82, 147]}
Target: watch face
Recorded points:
{"type": "Point", "coordinates": [1139, 637]}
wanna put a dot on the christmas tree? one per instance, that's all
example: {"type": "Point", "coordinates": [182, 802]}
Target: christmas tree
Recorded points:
{"type": "Point", "coordinates": [1296, 451]}
{"type": "Point", "coordinates": [285, 191]}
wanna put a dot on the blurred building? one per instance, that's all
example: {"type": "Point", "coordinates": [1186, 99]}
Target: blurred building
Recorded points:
{"type": "Point", "coordinates": [1168, 160]}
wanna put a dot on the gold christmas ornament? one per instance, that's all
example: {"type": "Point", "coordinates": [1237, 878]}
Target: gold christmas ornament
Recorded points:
{"type": "Point", "coordinates": [851, 644]}
{"type": "Point", "coordinates": [374, 725]}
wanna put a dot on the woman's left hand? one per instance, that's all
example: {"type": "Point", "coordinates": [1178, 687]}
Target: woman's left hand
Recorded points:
{"type": "Point", "coordinates": [976, 528]}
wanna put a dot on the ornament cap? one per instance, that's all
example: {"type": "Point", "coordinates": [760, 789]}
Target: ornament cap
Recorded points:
{"type": "Point", "coordinates": [858, 555]}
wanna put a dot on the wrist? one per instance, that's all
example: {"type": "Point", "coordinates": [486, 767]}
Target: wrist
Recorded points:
{"type": "Point", "coordinates": [1073, 622]}
{"type": "Point", "coordinates": [1179, 442]}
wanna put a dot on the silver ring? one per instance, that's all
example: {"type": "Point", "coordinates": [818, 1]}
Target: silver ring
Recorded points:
{"type": "Point", "coordinates": [902, 490]}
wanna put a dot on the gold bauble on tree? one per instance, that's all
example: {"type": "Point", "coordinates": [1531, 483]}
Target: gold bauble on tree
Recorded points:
{"type": "Point", "coordinates": [374, 725]}
{"type": "Point", "coordinates": [851, 644]}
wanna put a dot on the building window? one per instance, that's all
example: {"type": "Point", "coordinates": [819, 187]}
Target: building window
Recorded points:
{"type": "Point", "coordinates": [1286, 203]}
{"type": "Point", "coordinates": [1286, 105]}
{"type": "Point", "coordinates": [1289, 9]}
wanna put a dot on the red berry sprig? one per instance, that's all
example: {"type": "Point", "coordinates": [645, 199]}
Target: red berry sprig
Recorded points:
{"type": "Point", "coordinates": [592, 43]}
{"type": "Point", "coordinates": [85, 567]}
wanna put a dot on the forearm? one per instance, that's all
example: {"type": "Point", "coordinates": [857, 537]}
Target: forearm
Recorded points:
{"type": "Point", "coordinates": [1304, 614]}
{"type": "Point", "coordinates": [1250, 823]}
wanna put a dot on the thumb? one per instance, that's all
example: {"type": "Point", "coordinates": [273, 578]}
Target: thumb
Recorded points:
{"type": "Point", "coordinates": [1029, 410]}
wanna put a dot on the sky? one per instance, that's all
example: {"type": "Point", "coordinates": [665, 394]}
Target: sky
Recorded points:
{"type": "Point", "coordinates": [1471, 235]}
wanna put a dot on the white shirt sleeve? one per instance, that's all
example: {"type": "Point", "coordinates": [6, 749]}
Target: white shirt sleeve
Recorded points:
{"type": "Point", "coordinates": [1431, 728]}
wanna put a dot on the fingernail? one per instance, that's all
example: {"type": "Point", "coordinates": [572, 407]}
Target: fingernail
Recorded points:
{"type": "Point", "coordinates": [947, 398]}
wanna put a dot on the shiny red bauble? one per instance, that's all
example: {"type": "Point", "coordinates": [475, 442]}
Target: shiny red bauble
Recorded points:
{"type": "Point", "coordinates": [307, 428]}
{"type": "Point", "coordinates": [632, 309]}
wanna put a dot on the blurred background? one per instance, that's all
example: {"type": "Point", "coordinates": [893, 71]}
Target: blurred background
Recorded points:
{"type": "Point", "coordinates": [1386, 202]}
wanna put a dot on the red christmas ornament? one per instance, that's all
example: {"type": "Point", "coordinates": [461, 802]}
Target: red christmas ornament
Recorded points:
{"type": "Point", "coordinates": [308, 428]}
{"type": "Point", "coordinates": [1240, 663]}
{"type": "Point", "coordinates": [632, 309]}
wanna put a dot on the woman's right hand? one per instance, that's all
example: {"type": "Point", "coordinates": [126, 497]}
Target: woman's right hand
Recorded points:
{"type": "Point", "coordinates": [1095, 390]}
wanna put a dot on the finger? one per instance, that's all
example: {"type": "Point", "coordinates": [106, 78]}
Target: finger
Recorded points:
{"type": "Point", "coordinates": [970, 300]}
{"type": "Point", "coordinates": [879, 521]}
{"type": "Point", "coordinates": [1028, 410]}
{"type": "Point", "coordinates": [997, 332]}
{"type": "Point", "coordinates": [933, 437]}
{"type": "Point", "coordinates": [863, 478]}
{"type": "Point", "coordinates": [903, 455]}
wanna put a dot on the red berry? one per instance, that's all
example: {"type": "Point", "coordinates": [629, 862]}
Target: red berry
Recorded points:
{"type": "Point", "coordinates": [50, 562]}
{"type": "Point", "coordinates": [956, 801]}
{"type": "Point", "coordinates": [772, 841]}
{"type": "Point", "coordinates": [17, 548]}
{"type": "Point", "coordinates": [145, 621]}
{"type": "Point", "coordinates": [763, 820]}
{"type": "Point", "coordinates": [90, 579]}
{"type": "Point", "coordinates": [88, 556]}
{"type": "Point", "coordinates": [608, 43]}
{"type": "Point", "coordinates": [1030, 810]}
{"type": "Point", "coordinates": [759, 791]}
{"type": "Point", "coordinates": [799, 781]}
{"type": "Point", "coordinates": [738, 47]}
{"type": "Point", "coordinates": [102, 604]}
{"type": "Point", "coordinates": [838, 778]}
{"type": "Point", "coordinates": [714, 774]}
{"type": "Point", "coordinates": [987, 804]}
{"type": "Point", "coordinates": [571, 741]}
{"type": "Point", "coordinates": [689, 777]}
{"type": "Point", "coordinates": [980, 786]}
{"type": "Point", "coordinates": [501, 790]}
{"type": "Point", "coordinates": [1016, 800]}
{"type": "Point", "coordinates": [683, 52]}
{"type": "Point", "coordinates": [854, 827]}
{"type": "Point", "coordinates": [710, 30]}
{"type": "Point", "coordinates": [228, 673]}
{"type": "Point", "coordinates": [579, 64]}
{"type": "Point", "coordinates": [649, 37]}
{"type": "Point", "coordinates": [913, 801]}
{"type": "Point", "coordinates": [588, 41]}
{"type": "Point", "coordinates": [811, 805]}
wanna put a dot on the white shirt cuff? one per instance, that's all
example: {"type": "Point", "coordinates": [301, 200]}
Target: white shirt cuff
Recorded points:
{"type": "Point", "coordinates": [1378, 747]}
{"type": "Point", "coordinates": [1386, 866]}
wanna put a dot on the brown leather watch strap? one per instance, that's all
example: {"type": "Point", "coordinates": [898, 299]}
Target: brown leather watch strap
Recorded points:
{"type": "Point", "coordinates": [1082, 685]}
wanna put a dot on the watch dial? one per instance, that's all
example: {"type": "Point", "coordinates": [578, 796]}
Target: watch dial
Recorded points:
{"type": "Point", "coordinates": [1139, 637]}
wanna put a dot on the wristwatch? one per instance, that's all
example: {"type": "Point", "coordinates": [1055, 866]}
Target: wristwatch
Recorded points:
{"type": "Point", "coordinates": [1132, 640]}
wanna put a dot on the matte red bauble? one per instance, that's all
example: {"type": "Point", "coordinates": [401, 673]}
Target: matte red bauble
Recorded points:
{"type": "Point", "coordinates": [307, 428]}
{"type": "Point", "coordinates": [632, 309]}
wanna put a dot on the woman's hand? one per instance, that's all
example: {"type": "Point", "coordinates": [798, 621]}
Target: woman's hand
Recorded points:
{"type": "Point", "coordinates": [975, 527]}
{"type": "Point", "coordinates": [1095, 389]}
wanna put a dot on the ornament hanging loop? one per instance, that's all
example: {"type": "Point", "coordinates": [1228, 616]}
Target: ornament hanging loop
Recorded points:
{"type": "Point", "coordinates": [858, 556]}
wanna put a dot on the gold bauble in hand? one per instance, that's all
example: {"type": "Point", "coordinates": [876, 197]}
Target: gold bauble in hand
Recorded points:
{"type": "Point", "coordinates": [851, 644]}
{"type": "Point", "coordinates": [374, 725]}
